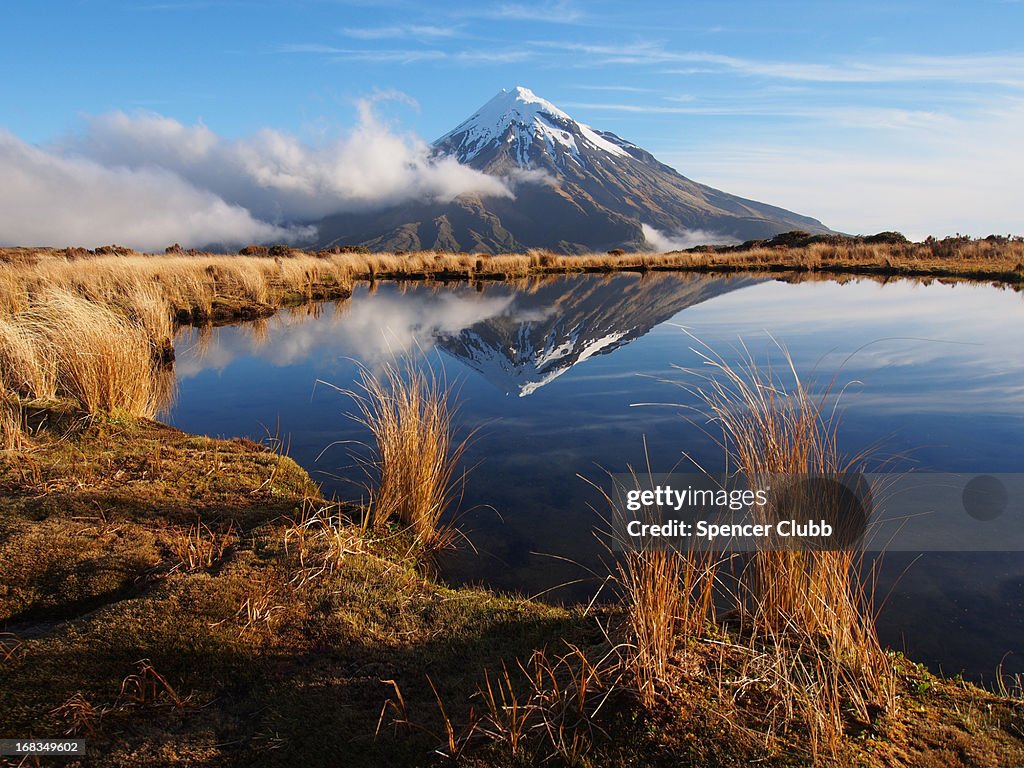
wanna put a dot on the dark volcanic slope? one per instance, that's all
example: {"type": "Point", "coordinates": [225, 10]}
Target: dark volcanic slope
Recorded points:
{"type": "Point", "coordinates": [591, 191]}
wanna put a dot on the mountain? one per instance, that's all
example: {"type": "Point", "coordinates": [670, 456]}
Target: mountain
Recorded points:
{"type": "Point", "coordinates": [577, 189]}
{"type": "Point", "coordinates": [561, 322]}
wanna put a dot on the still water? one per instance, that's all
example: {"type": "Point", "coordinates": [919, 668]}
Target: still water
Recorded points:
{"type": "Point", "coordinates": [552, 375]}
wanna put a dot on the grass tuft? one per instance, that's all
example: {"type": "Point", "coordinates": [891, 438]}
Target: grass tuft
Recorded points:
{"type": "Point", "coordinates": [66, 346]}
{"type": "Point", "coordinates": [809, 614]}
{"type": "Point", "coordinates": [409, 412]}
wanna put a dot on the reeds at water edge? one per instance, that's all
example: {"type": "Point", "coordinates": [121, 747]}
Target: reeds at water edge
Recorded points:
{"type": "Point", "coordinates": [409, 412]}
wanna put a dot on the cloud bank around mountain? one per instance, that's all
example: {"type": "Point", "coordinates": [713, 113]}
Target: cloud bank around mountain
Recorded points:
{"type": "Point", "coordinates": [146, 181]}
{"type": "Point", "coordinates": [678, 241]}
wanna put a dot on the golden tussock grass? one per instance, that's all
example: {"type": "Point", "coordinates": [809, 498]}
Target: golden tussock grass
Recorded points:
{"type": "Point", "coordinates": [806, 655]}
{"type": "Point", "coordinates": [104, 361]}
{"type": "Point", "coordinates": [409, 412]}
{"type": "Point", "coordinates": [651, 580]}
{"type": "Point", "coordinates": [808, 613]}
{"type": "Point", "coordinates": [11, 426]}
{"type": "Point", "coordinates": [64, 346]}
{"type": "Point", "coordinates": [666, 593]}
{"type": "Point", "coordinates": [190, 286]}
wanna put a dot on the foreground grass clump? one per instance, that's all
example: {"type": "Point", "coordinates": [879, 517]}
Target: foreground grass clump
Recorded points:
{"type": "Point", "coordinates": [799, 652]}
{"type": "Point", "coordinates": [807, 613]}
{"type": "Point", "coordinates": [64, 346]}
{"type": "Point", "coordinates": [408, 411]}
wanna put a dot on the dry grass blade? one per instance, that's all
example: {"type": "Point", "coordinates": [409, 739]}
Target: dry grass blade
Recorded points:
{"type": "Point", "coordinates": [455, 745]}
{"type": "Point", "coordinates": [9, 646]}
{"type": "Point", "coordinates": [199, 547]}
{"type": "Point", "coordinates": [259, 608]}
{"type": "Point", "coordinates": [148, 688]}
{"type": "Point", "coordinates": [78, 715]}
{"type": "Point", "coordinates": [398, 708]}
{"type": "Point", "coordinates": [1009, 686]}
{"type": "Point", "coordinates": [320, 539]}
{"type": "Point", "coordinates": [12, 431]}
{"type": "Point", "coordinates": [507, 718]}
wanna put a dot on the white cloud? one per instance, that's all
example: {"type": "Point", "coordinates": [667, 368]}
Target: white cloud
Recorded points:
{"type": "Point", "coordinates": [678, 241]}
{"type": "Point", "coordinates": [51, 199]}
{"type": "Point", "coordinates": [146, 181]}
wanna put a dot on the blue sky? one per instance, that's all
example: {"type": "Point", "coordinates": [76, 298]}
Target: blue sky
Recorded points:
{"type": "Point", "coordinates": [868, 115]}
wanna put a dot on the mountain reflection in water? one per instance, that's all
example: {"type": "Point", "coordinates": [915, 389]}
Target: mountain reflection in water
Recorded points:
{"type": "Point", "coordinates": [519, 336]}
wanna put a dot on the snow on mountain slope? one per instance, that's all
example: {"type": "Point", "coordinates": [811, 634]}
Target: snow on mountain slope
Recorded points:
{"type": "Point", "coordinates": [519, 117]}
{"type": "Point", "coordinates": [545, 332]}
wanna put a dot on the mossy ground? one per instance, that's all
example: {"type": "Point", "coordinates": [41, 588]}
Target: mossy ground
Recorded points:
{"type": "Point", "coordinates": [254, 659]}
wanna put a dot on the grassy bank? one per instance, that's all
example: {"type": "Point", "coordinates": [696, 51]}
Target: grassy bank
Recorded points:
{"type": "Point", "coordinates": [201, 287]}
{"type": "Point", "coordinates": [176, 599]}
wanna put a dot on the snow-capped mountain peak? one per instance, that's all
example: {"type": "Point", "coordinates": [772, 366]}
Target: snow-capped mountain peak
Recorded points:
{"type": "Point", "coordinates": [583, 190]}
{"type": "Point", "coordinates": [527, 126]}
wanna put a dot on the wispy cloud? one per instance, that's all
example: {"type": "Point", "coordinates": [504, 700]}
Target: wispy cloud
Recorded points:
{"type": "Point", "coordinates": [849, 117]}
{"type": "Point", "coordinates": [402, 31]}
{"type": "Point", "coordinates": [614, 88]}
{"type": "Point", "coordinates": [643, 109]}
{"type": "Point", "coordinates": [559, 12]}
{"type": "Point", "coordinates": [369, 55]}
{"type": "Point", "coordinates": [1005, 69]}
{"type": "Point", "coordinates": [409, 55]}
{"type": "Point", "coordinates": [992, 69]}
{"type": "Point", "coordinates": [186, 5]}
{"type": "Point", "coordinates": [309, 48]}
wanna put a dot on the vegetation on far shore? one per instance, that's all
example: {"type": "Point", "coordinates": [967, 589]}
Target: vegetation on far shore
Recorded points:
{"type": "Point", "coordinates": [174, 598]}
